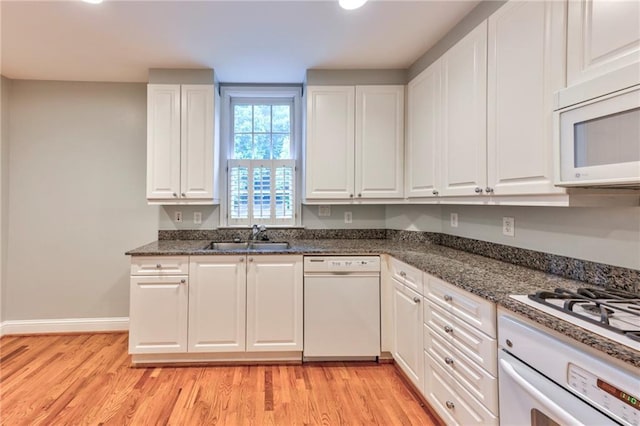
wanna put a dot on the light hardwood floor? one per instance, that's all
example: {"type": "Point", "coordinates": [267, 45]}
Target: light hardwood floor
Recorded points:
{"type": "Point", "coordinates": [86, 379]}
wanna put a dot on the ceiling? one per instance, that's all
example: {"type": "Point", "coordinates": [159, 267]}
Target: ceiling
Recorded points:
{"type": "Point", "coordinates": [244, 41]}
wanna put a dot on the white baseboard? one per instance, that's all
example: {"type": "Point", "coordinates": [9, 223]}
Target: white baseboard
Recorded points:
{"type": "Point", "coordinates": [69, 325]}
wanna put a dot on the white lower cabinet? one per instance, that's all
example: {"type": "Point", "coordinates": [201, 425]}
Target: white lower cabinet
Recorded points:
{"type": "Point", "coordinates": [158, 314]}
{"type": "Point", "coordinates": [453, 403]}
{"type": "Point", "coordinates": [226, 304]}
{"type": "Point", "coordinates": [217, 294]}
{"type": "Point", "coordinates": [274, 303]}
{"type": "Point", "coordinates": [407, 323]}
{"type": "Point", "coordinates": [460, 354]}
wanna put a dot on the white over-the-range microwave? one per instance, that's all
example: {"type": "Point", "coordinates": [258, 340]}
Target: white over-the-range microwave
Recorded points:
{"type": "Point", "coordinates": [598, 136]}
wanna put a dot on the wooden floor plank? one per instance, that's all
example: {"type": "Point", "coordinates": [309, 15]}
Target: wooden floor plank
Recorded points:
{"type": "Point", "coordinates": [85, 379]}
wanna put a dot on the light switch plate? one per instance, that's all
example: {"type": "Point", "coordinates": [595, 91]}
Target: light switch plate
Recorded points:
{"type": "Point", "coordinates": [197, 218]}
{"type": "Point", "coordinates": [454, 220]}
{"type": "Point", "coordinates": [348, 217]}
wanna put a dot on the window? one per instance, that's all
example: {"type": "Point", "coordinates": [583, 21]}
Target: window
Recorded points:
{"type": "Point", "coordinates": [261, 141]}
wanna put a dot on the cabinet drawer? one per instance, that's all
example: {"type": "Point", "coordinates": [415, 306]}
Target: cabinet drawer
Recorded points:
{"type": "Point", "coordinates": [160, 265]}
{"type": "Point", "coordinates": [470, 308]}
{"type": "Point", "coordinates": [454, 404]}
{"type": "Point", "coordinates": [474, 344]}
{"type": "Point", "coordinates": [406, 274]}
{"type": "Point", "coordinates": [482, 385]}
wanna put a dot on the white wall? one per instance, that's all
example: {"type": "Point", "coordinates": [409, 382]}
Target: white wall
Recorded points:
{"type": "Point", "coordinates": [608, 235]}
{"type": "Point", "coordinates": [76, 198]}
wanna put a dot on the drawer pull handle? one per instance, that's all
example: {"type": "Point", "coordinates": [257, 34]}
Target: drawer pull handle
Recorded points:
{"type": "Point", "coordinates": [416, 299]}
{"type": "Point", "coordinates": [448, 360]}
{"type": "Point", "coordinates": [448, 329]}
{"type": "Point", "coordinates": [158, 266]}
{"type": "Point", "coordinates": [183, 281]}
{"type": "Point", "coordinates": [448, 297]}
{"type": "Point", "coordinates": [403, 274]}
{"type": "Point", "coordinates": [450, 405]}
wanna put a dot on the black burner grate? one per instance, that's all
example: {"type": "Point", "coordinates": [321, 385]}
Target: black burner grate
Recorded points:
{"type": "Point", "coordinates": [603, 305]}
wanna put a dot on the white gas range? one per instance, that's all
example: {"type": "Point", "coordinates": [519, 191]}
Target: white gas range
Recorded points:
{"type": "Point", "coordinates": [547, 379]}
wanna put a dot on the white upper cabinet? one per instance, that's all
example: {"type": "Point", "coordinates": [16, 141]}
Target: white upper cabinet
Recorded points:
{"type": "Point", "coordinates": [603, 36]}
{"type": "Point", "coordinates": [329, 151]}
{"type": "Point", "coordinates": [422, 160]}
{"type": "Point", "coordinates": [379, 141]}
{"type": "Point", "coordinates": [526, 66]}
{"type": "Point", "coordinates": [180, 144]}
{"type": "Point", "coordinates": [354, 145]}
{"type": "Point", "coordinates": [464, 115]}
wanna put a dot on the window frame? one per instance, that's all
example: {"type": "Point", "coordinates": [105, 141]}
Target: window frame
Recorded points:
{"type": "Point", "coordinates": [232, 94]}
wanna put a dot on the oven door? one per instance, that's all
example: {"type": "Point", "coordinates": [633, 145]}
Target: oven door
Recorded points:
{"type": "Point", "coordinates": [529, 398]}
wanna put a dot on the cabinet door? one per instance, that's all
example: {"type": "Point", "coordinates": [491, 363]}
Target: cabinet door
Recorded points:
{"type": "Point", "coordinates": [464, 109]}
{"type": "Point", "coordinates": [407, 339]}
{"type": "Point", "coordinates": [274, 303]}
{"type": "Point", "coordinates": [163, 141]}
{"type": "Point", "coordinates": [197, 142]}
{"type": "Point", "coordinates": [158, 314]}
{"type": "Point", "coordinates": [602, 36]}
{"type": "Point", "coordinates": [525, 68]}
{"type": "Point", "coordinates": [329, 151]}
{"type": "Point", "coordinates": [379, 141]}
{"type": "Point", "coordinates": [217, 304]}
{"type": "Point", "coordinates": [422, 173]}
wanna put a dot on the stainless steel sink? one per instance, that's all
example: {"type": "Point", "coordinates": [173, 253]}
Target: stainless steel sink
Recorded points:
{"type": "Point", "coordinates": [268, 245]}
{"type": "Point", "coordinates": [229, 246]}
{"type": "Point", "coordinates": [255, 245]}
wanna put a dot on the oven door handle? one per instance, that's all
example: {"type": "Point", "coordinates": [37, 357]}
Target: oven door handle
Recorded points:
{"type": "Point", "coordinates": [563, 416]}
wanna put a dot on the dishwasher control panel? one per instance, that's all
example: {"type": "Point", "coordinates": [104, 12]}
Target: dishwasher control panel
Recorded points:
{"type": "Point", "coordinates": [331, 264]}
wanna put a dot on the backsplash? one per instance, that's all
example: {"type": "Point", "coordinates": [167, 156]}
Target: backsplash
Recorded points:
{"type": "Point", "coordinates": [594, 273]}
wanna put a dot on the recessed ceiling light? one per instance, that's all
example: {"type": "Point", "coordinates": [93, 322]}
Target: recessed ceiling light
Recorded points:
{"type": "Point", "coordinates": [93, 1]}
{"type": "Point", "coordinates": [351, 4]}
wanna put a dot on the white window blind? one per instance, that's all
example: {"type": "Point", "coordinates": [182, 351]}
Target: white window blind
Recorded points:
{"type": "Point", "coordinates": [261, 191]}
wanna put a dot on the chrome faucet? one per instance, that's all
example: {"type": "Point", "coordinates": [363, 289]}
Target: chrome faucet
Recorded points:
{"type": "Point", "coordinates": [256, 231]}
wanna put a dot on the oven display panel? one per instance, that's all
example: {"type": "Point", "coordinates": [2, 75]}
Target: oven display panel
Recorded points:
{"type": "Point", "coordinates": [621, 395]}
{"type": "Point", "coordinates": [610, 398]}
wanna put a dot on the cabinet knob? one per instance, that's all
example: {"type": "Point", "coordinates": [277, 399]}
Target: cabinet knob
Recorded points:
{"type": "Point", "coordinates": [434, 192]}
{"type": "Point", "coordinates": [448, 329]}
{"type": "Point", "coordinates": [183, 281]}
{"type": "Point", "coordinates": [478, 190]}
{"type": "Point", "coordinates": [158, 266]}
{"type": "Point", "coordinates": [448, 360]}
{"type": "Point", "coordinates": [416, 299]}
{"type": "Point", "coordinates": [175, 195]}
{"type": "Point", "coordinates": [359, 195]}
{"type": "Point", "coordinates": [350, 195]}
{"type": "Point", "coordinates": [489, 190]}
{"type": "Point", "coordinates": [403, 274]}
{"type": "Point", "coordinates": [448, 298]}
{"type": "Point", "coordinates": [450, 405]}
{"type": "Point", "coordinates": [241, 259]}
{"type": "Point", "coordinates": [251, 259]}
{"type": "Point", "coordinates": [184, 195]}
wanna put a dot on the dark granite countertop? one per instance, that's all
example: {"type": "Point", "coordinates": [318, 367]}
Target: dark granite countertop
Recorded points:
{"type": "Point", "coordinates": [488, 278]}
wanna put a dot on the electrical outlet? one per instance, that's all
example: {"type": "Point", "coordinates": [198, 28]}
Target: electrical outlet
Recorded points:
{"type": "Point", "coordinates": [197, 218]}
{"type": "Point", "coordinates": [324, 211]}
{"type": "Point", "coordinates": [348, 217]}
{"type": "Point", "coordinates": [177, 216]}
{"type": "Point", "coordinates": [454, 220]}
{"type": "Point", "coordinates": [508, 226]}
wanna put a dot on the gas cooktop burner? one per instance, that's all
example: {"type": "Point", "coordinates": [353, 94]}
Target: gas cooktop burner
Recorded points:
{"type": "Point", "coordinates": [615, 310]}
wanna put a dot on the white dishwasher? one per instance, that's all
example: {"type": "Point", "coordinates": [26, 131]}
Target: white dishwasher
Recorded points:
{"type": "Point", "coordinates": [341, 308]}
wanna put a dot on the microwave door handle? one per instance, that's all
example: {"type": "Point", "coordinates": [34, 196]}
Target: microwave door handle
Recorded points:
{"type": "Point", "coordinates": [563, 416]}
